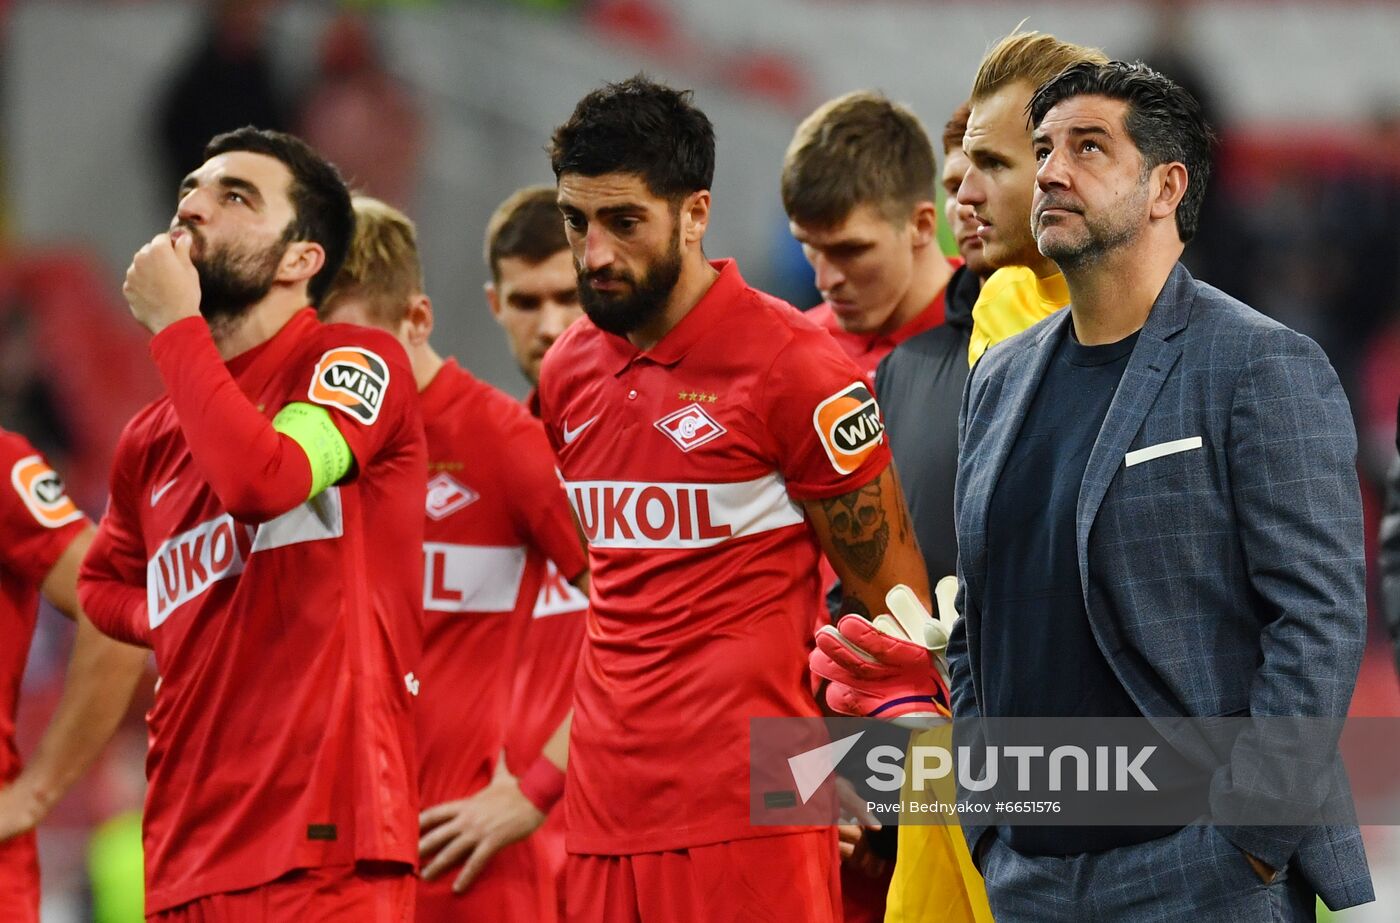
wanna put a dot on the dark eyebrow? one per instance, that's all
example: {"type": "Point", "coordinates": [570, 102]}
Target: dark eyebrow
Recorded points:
{"type": "Point", "coordinates": [234, 184]}
{"type": "Point", "coordinates": [848, 243]}
{"type": "Point", "coordinates": [627, 208]}
{"type": "Point", "coordinates": [1076, 131]}
{"type": "Point", "coordinates": [231, 183]}
{"type": "Point", "coordinates": [607, 211]}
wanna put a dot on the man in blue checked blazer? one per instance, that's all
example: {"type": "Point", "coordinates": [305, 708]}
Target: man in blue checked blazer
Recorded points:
{"type": "Point", "coordinates": [1158, 515]}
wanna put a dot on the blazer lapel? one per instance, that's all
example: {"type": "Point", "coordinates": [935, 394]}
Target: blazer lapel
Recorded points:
{"type": "Point", "coordinates": [1151, 362]}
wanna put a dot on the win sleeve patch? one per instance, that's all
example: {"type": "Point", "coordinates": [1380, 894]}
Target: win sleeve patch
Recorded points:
{"type": "Point", "coordinates": [849, 426]}
{"type": "Point", "coordinates": [352, 380]}
{"type": "Point", "coordinates": [41, 489]}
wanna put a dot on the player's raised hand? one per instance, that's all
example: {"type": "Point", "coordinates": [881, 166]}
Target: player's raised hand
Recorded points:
{"type": "Point", "coordinates": [475, 828]}
{"type": "Point", "coordinates": [162, 284]}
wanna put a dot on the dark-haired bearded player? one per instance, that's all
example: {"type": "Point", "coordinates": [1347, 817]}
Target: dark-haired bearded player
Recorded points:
{"type": "Point", "coordinates": [713, 442]}
{"type": "Point", "coordinates": [264, 536]}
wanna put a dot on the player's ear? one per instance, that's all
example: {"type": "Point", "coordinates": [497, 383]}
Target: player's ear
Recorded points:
{"type": "Point", "coordinates": [923, 224]}
{"type": "Point", "coordinates": [695, 216]}
{"type": "Point", "coordinates": [417, 323]}
{"type": "Point", "coordinates": [302, 260]}
{"type": "Point", "coordinates": [493, 299]}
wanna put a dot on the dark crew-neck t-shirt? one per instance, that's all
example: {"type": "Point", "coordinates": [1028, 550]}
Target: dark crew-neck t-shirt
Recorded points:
{"type": "Point", "coordinates": [1039, 655]}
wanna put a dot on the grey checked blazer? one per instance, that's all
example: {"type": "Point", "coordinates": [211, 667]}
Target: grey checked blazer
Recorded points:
{"type": "Point", "coordinates": [1222, 580]}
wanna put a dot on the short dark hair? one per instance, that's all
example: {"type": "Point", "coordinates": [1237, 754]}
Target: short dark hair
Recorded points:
{"type": "Point", "coordinates": [1164, 121]}
{"type": "Point", "coordinates": [321, 207]}
{"type": "Point", "coordinates": [525, 226]}
{"type": "Point", "coordinates": [857, 149]}
{"type": "Point", "coordinates": [641, 127]}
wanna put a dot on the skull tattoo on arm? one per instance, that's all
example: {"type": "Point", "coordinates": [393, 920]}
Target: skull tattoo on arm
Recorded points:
{"type": "Point", "coordinates": [860, 530]}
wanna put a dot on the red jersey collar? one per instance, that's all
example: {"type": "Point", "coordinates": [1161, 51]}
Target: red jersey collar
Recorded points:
{"type": "Point", "coordinates": [700, 320]}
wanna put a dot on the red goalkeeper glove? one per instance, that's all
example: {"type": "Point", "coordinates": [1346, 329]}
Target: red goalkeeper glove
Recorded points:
{"type": "Point", "coordinates": [891, 668]}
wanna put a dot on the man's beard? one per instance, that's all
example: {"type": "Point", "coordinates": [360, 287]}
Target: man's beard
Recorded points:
{"type": "Point", "coordinates": [636, 305]}
{"type": "Point", "coordinates": [1102, 235]}
{"type": "Point", "coordinates": [231, 283]}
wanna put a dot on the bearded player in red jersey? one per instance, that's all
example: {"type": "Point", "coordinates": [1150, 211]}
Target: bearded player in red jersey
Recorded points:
{"type": "Point", "coordinates": [713, 442]}
{"type": "Point", "coordinates": [264, 536]}
{"type": "Point", "coordinates": [495, 515]}
{"type": "Point", "coordinates": [45, 536]}
{"type": "Point", "coordinates": [533, 294]}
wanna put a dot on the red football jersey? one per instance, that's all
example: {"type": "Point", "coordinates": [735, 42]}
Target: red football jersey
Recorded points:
{"type": "Point", "coordinates": [685, 465]}
{"type": "Point", "coordinates": [495, 513]}
{"type": "Point", "coordinates": [282, 734]}
{"type": "Point", "coordinates": [544, 675]}
{"type": "Point", "coordinates": [37, 523]}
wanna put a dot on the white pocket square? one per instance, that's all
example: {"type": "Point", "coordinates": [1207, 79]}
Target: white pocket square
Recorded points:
{"type": "Point", "coordinates": [1138, 456]}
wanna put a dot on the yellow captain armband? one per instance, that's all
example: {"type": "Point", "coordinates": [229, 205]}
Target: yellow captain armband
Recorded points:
{"type": "Point", "coordinates": [326, 449]}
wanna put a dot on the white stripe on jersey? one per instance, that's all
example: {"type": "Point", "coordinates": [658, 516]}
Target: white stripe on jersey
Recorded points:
{"type": "Point", "coordinates": [188, 564]}
{"type": "Point", "coordinates": [317, 519]}
{"type": "Point", "coordinates": [471, 578]}
{"type": "Point", "coordinates": [637, 514]}
{"type": "Point", "coordinates": [557, 595]}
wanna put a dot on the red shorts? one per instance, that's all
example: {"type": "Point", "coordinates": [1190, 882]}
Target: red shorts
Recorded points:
{"type": "Point", "coordinates": [517, 884]}
{"type": "Point", "coordinates": [790, 878]}
{"type": "Point", "coordinates": [19, 880]}
{"type": "Point", "coordinates": [380, 892]}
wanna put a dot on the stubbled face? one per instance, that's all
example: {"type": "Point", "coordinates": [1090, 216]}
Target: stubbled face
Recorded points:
{"type": "Point", "coordinates": [864, 266]}
{"type": "Point", "coordinates": [626, 248]}
{"type": "Point", "coordinates": [1000, 179]}
{"type": "Point", "coordinates": [962, 220]}
{"type": "Point", "coordinates": [237, 208]}
{"type": "Point", "coordinates": [534, 303]}
{"type": "Point", "coordinates": [1091, 192]}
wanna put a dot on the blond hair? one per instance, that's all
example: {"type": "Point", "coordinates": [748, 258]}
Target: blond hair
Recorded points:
{"type": "Point", "coordinates": [1028, 57]}
{"type": "Point", "coordinates": [382, 265]}
{"type": "Point", "coordinates": [857, 149]}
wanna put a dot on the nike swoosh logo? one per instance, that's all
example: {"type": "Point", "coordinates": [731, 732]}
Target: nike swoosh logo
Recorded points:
{"type": "Point", "coordinates": [160, 491]}
{"type": "Point", "coordinates": [571, 434]}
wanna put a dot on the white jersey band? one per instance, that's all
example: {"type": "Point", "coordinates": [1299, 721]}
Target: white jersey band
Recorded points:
{"type": "Point", "coordinates": [638, 514]}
